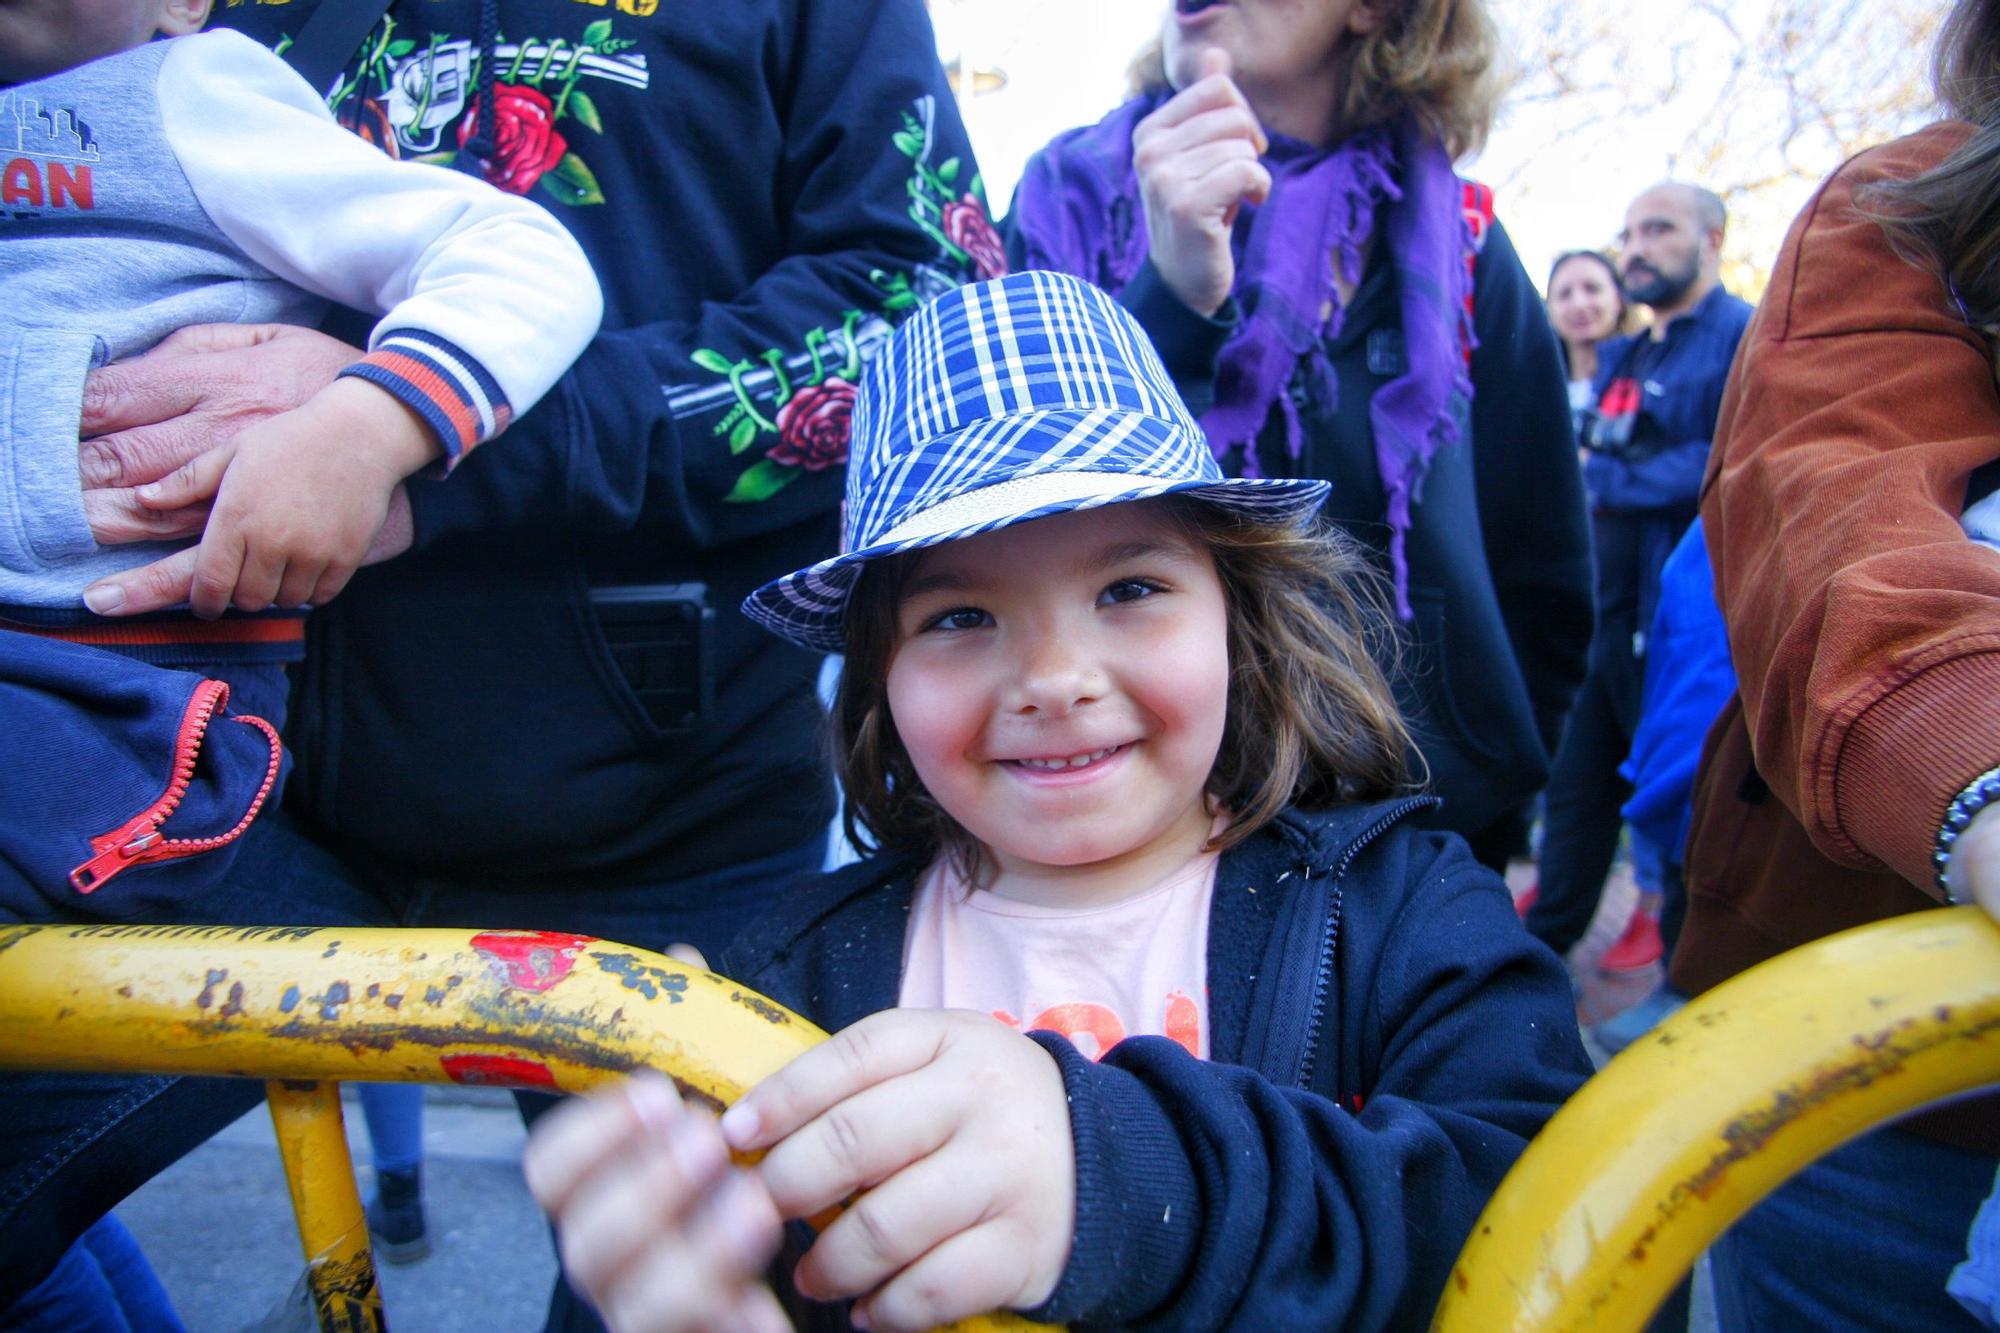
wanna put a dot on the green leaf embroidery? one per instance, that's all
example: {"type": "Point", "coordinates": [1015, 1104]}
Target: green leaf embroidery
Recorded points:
{"type": "Point", "coordinates": [712, 361]}
{"type": "Point", "coordinates": [761, 481]}
{"type": "Point", "coordinates": [949, 171]}
{"type": "Point", "coordinates": [598, 33]}
{"type": "Point", "coordinates": [743, 436]}
{"type": "Point", "coordinates": [585, 110]}
{"type": "Point", "coordinates": [401, 47]}
{"type": "Point", "coordinates": [438, 159]}
{"type": "Point", "coordinates": [908, 144]}
{"type": "Point", "coordinates": [570, 181]}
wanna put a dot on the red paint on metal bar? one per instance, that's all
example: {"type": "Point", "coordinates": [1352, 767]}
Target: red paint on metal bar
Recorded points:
{"type": "Point", "coordinates": [531, 960]}
{"type": "Point", "coordinates": [498, 1071]}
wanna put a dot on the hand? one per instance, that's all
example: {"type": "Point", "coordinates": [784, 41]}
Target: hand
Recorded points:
{"type": "Point", "coordinates": [1197, 161]}
{"type": "Point", "coordinates": [958, 1129]}
{"type": "Point", "coordinates": [1974, 870]}
{"type": "Point", "coordinates": [301, 500]}
{"type": "Point", "coordinates": [145, 417]}
{"type": "Point", "coordinates": [654, 1225]}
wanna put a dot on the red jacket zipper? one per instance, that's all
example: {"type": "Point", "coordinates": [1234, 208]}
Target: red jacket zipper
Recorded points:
{"type": "Point", "coordinates": [139, 841]}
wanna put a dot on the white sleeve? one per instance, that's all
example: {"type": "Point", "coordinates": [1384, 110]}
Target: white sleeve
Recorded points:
{"type": "Point", "coordinates": [433, 251]}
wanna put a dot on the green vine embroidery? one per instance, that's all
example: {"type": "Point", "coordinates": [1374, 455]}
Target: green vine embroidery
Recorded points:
{"type": "Point", "coordinates": [822, 376]}
{"type": "Point", "coordinates": [806, 396]}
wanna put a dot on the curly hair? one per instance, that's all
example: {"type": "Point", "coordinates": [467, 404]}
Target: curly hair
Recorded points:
{"type": "Point", "coordinates": [1438, 60]}
{"type": "Point", "coordinates": [1310, 719]}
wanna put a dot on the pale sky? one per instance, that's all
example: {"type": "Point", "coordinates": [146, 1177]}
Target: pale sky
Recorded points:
{"type": "Point", "coordinates": [1557, 190]}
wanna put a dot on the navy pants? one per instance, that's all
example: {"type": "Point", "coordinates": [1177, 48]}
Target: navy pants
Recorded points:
{"type": "Point", "coordinates": [1580, 809]}
{"type": "Point", "coordinates": [1862, 1240]}
{"type": "Point", "coordinates": [75, 1144]}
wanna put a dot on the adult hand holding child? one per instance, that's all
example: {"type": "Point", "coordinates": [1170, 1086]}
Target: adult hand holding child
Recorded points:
{"type": "Point", "coordinates": [161, 429]}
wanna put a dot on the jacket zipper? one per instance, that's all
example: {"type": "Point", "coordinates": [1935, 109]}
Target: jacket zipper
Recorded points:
{"type": "Point", "coordinates": [1323, 973]}
{"type": "Point", "coordinates": [139, 841]}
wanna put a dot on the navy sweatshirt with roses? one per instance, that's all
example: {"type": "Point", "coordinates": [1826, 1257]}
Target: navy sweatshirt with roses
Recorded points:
{"type": "Point", "coordinates": [1386, 1038]}
{"type": "Point", "coordinates": [763, 188]}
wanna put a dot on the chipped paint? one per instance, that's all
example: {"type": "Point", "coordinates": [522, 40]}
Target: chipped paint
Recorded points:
{"type": "Point", "coordinates": [329, 1002]}
{"type": "Point", "coordinates": [216, 976]}
{"type": "Point", "coordinates": [649, 980]}
{"type": "Point", "coordinates": [231, 934]}
{"type": "Point", "coordinates": [761, 1007]}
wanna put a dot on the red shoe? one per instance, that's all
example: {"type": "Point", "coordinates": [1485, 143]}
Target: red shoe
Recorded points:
{"type": "Point", "coordinates": [1527, 900]}
{"type": "Point", "coordinates": [1640, 945]}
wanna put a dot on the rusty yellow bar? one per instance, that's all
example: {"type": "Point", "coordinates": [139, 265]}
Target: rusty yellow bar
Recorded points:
{"type": "Point", "coordinates": [1717, 1107]}
{"type": "Point", "coordinates": [340, 1269]}
{"type": "Point", "coordinates": [508, 1008]}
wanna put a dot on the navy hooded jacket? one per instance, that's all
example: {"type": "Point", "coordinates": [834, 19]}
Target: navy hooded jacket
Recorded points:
{"type": "Point", "coordinates": [1386, 1038]}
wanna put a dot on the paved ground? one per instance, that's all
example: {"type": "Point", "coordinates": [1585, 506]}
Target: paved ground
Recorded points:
{"type": "Point", "coordinates": [218, 1226]}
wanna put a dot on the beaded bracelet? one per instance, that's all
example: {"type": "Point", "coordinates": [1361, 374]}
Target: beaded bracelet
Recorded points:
{"type": "Point", "coordinates": [1979, 793]}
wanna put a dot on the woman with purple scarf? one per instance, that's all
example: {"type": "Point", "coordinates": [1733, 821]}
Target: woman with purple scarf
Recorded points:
{"type": "Point", "coordinates": [1277, 206]}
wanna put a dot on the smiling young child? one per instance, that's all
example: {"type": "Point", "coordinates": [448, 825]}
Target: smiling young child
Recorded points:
{"type": "Point", "coordinates": [1137, 789]}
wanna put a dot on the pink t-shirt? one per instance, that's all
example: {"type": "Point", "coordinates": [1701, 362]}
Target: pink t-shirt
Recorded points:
{"type": "Point", "coordinates": [1097, 975]}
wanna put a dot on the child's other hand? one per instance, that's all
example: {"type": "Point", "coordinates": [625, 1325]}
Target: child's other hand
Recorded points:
{"type": "Point", "coordinates": [298, 498]}
{"type": "Point", "coordinates": [655, 1226]}
{"type": "Point", "coordinates": [958, 1129]}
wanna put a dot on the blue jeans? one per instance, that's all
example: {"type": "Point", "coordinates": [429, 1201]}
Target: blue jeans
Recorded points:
{"type": "Point", "coordinates": [102, 1285]}
{"type": "Point", "coordinates": [75, 1144]}
{"type": "Point", "coordinates": [1864, 1240]}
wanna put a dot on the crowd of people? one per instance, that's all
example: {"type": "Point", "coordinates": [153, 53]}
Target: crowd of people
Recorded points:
{"type": "Point", "coordinates": [451, 436]}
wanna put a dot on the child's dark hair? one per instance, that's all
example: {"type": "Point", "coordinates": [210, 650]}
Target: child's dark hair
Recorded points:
{"type": "Point", "coordinates": [1311, 719]}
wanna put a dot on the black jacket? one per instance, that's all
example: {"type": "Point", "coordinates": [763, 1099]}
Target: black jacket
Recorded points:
{"type": "Point", "coordinates": [762, 187]}
{"type": "Point", "coordinates": [1385, 1040]}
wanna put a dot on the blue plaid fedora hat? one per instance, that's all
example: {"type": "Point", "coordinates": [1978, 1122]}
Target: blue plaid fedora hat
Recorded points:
{"type": "Point", "coordinates": [1001, 402]}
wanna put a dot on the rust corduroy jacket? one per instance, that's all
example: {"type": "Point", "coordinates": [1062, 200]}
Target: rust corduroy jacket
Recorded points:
{"type": "Point", "coordinates": [1864, 625]}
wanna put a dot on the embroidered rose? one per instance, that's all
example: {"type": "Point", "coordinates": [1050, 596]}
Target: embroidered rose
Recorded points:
{"type": "Point", "coordinates": [526, 138]}
{"type": "Point", "coordinates": [813, 426]}
{"type": "Point", "coordinates": [965, 225]}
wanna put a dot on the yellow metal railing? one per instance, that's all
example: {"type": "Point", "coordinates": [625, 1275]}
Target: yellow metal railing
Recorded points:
{"type": "Point", "coordinates": [1718, 1106]}
{"type": "Point", "coordinates": [1606, 1210]}
{"type": "Point", "coordinates": [304, 1008]}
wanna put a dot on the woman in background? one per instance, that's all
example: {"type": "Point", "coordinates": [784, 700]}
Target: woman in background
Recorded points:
{"type": "Point", "coordinates": [1277, 206]}
{"type": "Point", "coordinates": [1586, 305]}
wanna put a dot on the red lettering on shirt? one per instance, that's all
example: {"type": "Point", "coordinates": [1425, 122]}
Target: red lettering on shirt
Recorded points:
{"type": "Point", "coordinates": [1184, 1022]}
{"type": "Point", "coordinates": [75, 189]}
{"type": "Point", "coordinates": [1104, 1029]}
{"type": "Point", "coordinates": [20, 183]}
{"type": "Point", "coordinates": [1083, 1019]}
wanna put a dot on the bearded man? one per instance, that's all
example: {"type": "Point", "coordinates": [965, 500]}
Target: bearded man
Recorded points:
{"type": "Point", "coordinates": [1646, 445]}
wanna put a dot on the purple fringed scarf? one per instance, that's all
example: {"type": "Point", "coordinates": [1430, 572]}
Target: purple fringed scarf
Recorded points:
{"type": "Point", "coordinates": [1078, 211]}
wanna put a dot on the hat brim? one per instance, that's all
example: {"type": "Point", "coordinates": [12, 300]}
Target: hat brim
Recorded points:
{"type": "Point", "coordinates": [809, 607]}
